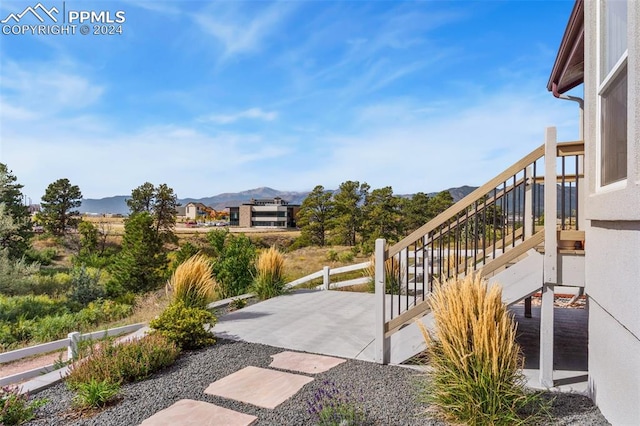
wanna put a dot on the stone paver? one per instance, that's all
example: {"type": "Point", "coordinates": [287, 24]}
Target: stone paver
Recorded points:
{"type": "Point", "coordinates": [188, 412]}
{"type": "Point", "coordinates": [304, 363]}
{"type": "Point", "coordinates": [258, 386]}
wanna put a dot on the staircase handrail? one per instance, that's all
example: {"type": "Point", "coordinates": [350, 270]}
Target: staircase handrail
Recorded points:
{"type": "Point", "coordinates": [466, 202]}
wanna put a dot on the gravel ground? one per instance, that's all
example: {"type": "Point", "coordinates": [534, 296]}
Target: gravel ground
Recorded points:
{"type": "Point", "coordinates": [386, 393]}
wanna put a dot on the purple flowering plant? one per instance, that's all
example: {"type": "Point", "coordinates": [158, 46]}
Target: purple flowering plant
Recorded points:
{"type": "Point", "coordinates": [330, 406]}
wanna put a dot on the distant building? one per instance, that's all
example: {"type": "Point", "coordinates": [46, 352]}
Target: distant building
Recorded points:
{"type": "Point", "coordinates": [198, 211]}
{"type": "Point", "coordinates": [264, 213]}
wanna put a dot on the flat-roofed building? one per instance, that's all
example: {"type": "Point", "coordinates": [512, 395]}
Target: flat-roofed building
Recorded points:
{"type": "Point", "coordinates": [264, 213]}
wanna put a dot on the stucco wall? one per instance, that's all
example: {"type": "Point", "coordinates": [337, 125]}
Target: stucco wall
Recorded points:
{"type": "Point", "coordinates": [612, 243]}
{"type": "Point", "coordinates": [614, 368]}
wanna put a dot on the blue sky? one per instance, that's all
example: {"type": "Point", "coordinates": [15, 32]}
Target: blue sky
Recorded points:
{"type": "Point", "coordinates": [224, 96]}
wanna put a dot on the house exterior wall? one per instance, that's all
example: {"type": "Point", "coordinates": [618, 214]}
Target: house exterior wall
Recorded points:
{"type": "Point", "coordinates": [245, 216]}
{"type": "Point", "coordinates": [191, 211]}
{"type": "Point", "coordinates": [612, 242]}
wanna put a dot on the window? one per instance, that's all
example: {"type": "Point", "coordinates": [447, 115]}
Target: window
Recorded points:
{"type": "Point", "coordinates": [612, 91]}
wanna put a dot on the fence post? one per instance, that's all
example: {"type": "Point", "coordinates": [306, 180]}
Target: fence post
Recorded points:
{"type": "Point", "coordinates": [381, 342]}
{"type": "Point", "coordinates": [326, 278]}
{"type": "Point", "coordinates": [72, 349]}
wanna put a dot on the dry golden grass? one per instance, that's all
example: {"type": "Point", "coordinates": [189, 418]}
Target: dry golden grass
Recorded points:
{"type": "Point", "coordinates": [393, 275]}
{"type": "Point", "coordinates": [476, 376]}
{"type": "Point", "coordinates": [192, 282]}
{"type": "Point", "coordinates": [269, 281]}
{"type": "Point", "coordinates": [271, 264]}
{"type": "Point", "coordinates": [308, 260]}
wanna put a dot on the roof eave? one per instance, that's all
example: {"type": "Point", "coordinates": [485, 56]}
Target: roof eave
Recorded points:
{"type": "Point", "coordinates": [568, 69]}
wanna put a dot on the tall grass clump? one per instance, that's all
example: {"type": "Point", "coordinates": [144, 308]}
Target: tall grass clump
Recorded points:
{"type": "Point", "coordinates": [269, 281]}
{"type": "Point", "coordinates": [393, 275]}
{"type": "Point", "coordinates": [476, 375]}
{"type": "Point", "coordinates": [192, 282]}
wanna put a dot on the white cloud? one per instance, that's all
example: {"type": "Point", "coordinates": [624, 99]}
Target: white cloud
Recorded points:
{"type": "Point", "coordinates": [44, 89]}
{"type": "Point", "coordinates": [251, 113]}
{"type": "Point", "coordinates": [238, 32]}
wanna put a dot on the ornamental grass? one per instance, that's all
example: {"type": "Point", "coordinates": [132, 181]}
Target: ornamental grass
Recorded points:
{"type": "Point", "coordinates": [269, 281]}
{"type": "Point", "coordinates": [192, 282]}
{"type": "Point", "coordinates": [476, 376]}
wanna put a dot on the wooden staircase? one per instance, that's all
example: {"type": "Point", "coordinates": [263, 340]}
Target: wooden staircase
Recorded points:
{"type": "Point", "coordinates": [499, 231]}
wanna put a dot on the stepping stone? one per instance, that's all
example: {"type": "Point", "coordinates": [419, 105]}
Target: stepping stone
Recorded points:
{"type": "Point", "coordinates": [188, 412]}
{"type": "Point", "coordinates": [258, 386]}
{"type": "Point", "coordinates": [304, 363]}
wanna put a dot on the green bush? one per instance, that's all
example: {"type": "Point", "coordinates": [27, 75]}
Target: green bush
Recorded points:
{"type": "Point", "coordinates": [16, 276]}
{"type": "Point", "coordinates": [85, 285]}
{"type": "Point", "coordinates": [346, 256]}
{"type": "Point", "coordinates": [234, 269]}
{"type": "Point", "coordinates": [15, 408]}
{"type": "Point", "coordinates": [53, 327]}
{"type": "Point", "coordinates": [185, 326]}
{"type": "Point", "coordinates": [43, 257]}
{"type": "Point", "coordinates": [332, 256]}
{"type": "Point", "coordinates": [95, 394]}
{"type": "Point", "coordinates": [30, 307]}
{"type": "Point", "coordinates": [123, 363]}
{"type": "Point", "coordinates": [52, 285]}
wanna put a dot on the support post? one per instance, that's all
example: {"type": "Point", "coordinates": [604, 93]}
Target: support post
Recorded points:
{"type": "Point", "coordinates": [550, 272]}
{"type": "Point", "coordinates": [72, 349]}
{"type": "Point", "coordinates": [326, 278]}
{"type": "Point", "coordinates": [381, 342]}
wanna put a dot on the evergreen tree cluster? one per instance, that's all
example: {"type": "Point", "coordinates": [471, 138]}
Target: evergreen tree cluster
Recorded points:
{"type": "Point", "coordinates": [356, 215]}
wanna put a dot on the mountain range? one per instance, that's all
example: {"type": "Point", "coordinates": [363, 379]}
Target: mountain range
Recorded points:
{"type": "Point", "coordinates": [118, 205]}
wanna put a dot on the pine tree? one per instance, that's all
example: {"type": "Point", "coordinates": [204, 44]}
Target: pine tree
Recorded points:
{"type": "Point", "coordinates": [15, 227]}
{"type": "Point", "coordinates": [58, 202]}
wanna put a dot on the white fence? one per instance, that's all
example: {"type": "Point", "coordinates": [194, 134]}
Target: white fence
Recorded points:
{"type": "Point", "coordinates": [71, 343]}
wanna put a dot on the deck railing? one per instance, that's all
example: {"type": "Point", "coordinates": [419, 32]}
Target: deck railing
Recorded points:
{"type": "Point", "coordinates": [483, 233]}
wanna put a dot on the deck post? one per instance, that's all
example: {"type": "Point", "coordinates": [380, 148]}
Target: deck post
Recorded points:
{"type": "Point", "coordinates": [550, 273]}
{"type": "Point", "coordinates": [325, 278]}
{"type": "Point", "coordinates": [381, 342]}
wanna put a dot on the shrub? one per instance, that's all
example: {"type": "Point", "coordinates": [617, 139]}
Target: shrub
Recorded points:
{"type": "Point", "coordinates": [332, 256]}
{"type": "Point", "coordinates": [234, 269]}
{"type": "Point", "coordinates": [236, 304]}
{"type": "Point", "coordinates": [52, 285]}
{"type": "Point", "coordinates": [192, 282]}
{"type": "Point", "coordinates": [269, 281]}
{"type": "Point", "coordinates": [393, 275]}
{"type": "Point", "coordinates": [15, 408]}
{"type": "Point", "coordinates": [123, 363]}
{"type": "Point", "coordinates": [476, 375]}
{"type": "Point", "coordinates": [346, 256]}
{"type": "Point", "coordinates": [331, 407]}
{"type": "Point", "coordinates": [95, 394]}
{"type": "Point", "coordinates": [16, 276]}
{"type": "Point", "coordinates": [30, 307]}
{"type": "Point", "coordinates": [185, 326]}
{"type": "Point", "coordinates": [85, 285]}
{"type": "Point", "coordinates": [43, 257]}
